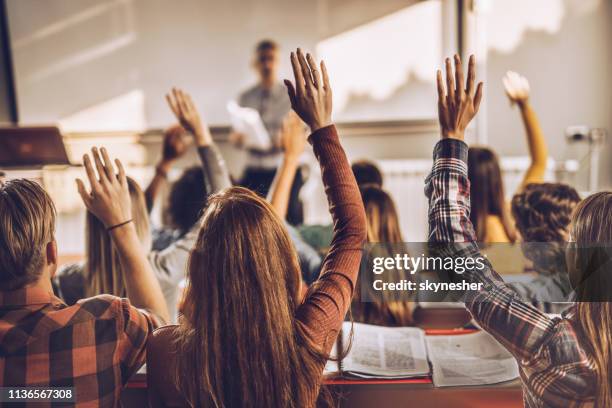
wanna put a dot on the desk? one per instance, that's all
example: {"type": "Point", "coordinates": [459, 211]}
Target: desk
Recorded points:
{"type": "Point", "coordinates": [414, 392]}
{"type": "Point", "coordinates": [388, 393]}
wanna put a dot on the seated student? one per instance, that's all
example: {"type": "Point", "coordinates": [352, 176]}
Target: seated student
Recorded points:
{"type": "Point", "coordinates": [319, 236]}
{"type": "Point", "coordinates": [562, 361]}
{"type": "Point", "coordinates": [543, 213]}
{"type": "Point", "coordinates": [101, 273]}
{"type": "Point", "coordinates": [366, 172]}
{"type": "Point", "coordinates": [97, 344]}
{"type": "Point", "coordinates": [187, 195]}
{"type": "Point", "coordinates": [383, 308]}
{"type": "Point", "coordinates": [490, 214]}
{"type": "Point", "coordinates": [293, 142]}
{"type": "Point", "coordinates": [247, 337]}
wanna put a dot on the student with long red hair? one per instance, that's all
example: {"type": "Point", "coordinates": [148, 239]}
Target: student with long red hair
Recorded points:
{"type": "Point", "coordinates": [247, 337]}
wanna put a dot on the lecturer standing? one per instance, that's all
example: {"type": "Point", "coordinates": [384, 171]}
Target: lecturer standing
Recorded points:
{"type": "Point", "coordinates": [269, 97]}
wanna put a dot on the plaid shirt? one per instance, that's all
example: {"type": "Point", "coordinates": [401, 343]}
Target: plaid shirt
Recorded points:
{"type": "Point", "coordinates": [555, 369]}
{"type": "Point", "coordinates": [94, 346]}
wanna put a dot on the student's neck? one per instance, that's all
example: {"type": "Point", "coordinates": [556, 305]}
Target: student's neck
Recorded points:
{"type": "Point", "coordinates": [44, 284]}
{"type": "Point", "coordinates": [267, 84]}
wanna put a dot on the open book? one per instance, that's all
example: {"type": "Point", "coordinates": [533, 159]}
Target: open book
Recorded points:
{"type": "Point", "coordinates": [405, 352]}
{"type": "Point", "coordinates": [470, 359]}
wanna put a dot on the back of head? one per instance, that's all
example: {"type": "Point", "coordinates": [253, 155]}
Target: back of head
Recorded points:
{"type": "Point", "coordinates": [187, 199]}
{"type": "Point", "coordinates": [386, 308]}
{"type": "Point", "coordinates": [592, 232]}
{"type": "Point", "coordinates": [27, 225]}
{"type": "Point", "coordinates": [366, 172]}
{"type": "Point", "coordinates": [239, 342]}
{"type": "Point", "coordinates": [542, 213]}
{"type": "Point", "coordinates": [103, 271]}
{"type": "Point", "coordinates": [381, 215]}
{"type": "Point", "coordinates": [486, 190]}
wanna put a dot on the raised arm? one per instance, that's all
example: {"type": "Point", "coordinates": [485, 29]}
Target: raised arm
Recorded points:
{"type": "Point", "coordinates": [499, 311]}
{"type": "Point", "coordinates": [174, 146]}
{"type": "Point", "coordinates": [109, 200]}
{"type": "Point", "coordinates": [216, 175]}
{"type": "Point", "coordinates": [517, 89]}
{"type": "Point", "coordinates": [325, 305]}
{"type": "Point", "coordinates": [170, 263]}
{"type": "Point", "coordinates": [293, 142]}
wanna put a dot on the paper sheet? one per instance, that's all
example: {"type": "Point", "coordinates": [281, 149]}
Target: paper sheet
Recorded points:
{"type": "Point", "coordinates": [248, 122]}
{"type": "Point", "coordinates": [470, 359]}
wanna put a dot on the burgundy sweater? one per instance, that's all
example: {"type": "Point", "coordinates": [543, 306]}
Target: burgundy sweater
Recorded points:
{"type": "Point", "coordinates": [322, 311]}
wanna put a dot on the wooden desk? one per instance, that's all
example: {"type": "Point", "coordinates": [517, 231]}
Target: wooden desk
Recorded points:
{"type": "Point", "coordinates": [415, 392]}
{"type": "Point", "coordinates": [388, 393]}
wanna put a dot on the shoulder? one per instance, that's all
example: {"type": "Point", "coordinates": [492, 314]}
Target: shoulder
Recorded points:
{"type": "Point", "coordinates": [128, 317]}
{"type": "Point", "coordinates": [164, 334]}
{"type": "Point", "coordinates": [249, 92]}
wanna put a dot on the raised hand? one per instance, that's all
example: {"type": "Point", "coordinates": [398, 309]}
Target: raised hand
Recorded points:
{"type": "Point", "coordinates": [187, 114]}
{"type": "Point", "coordinates": [293, 136]}
{"type": "Point", "coordinates": [517, 87]}
{"type": "Point", "coordinates": [174, 143]}
{"type": "Point", "coordinates": [109, 198]}
{"type": "Point", "coordinates": [457, 105]}
{"type": "Point", "coordinates": [311, 97]}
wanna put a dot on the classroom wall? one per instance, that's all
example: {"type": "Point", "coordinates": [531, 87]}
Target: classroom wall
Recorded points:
{"type": "Point", "coordinates": [569, 71]}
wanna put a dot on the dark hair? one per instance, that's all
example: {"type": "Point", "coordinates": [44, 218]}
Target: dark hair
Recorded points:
{"type": "Point", "coordinates": [187, 198]}
{"type": "Point", "coordinates": [542, 213]}
{"type": "Point", "coordinates": [367, 172]}
{"type": "Point", "coordinates": [266, 45]}
{"type": "Point", "coordinates": [486, 191]}
{"type": "Point", "coordinates": [27, 225]}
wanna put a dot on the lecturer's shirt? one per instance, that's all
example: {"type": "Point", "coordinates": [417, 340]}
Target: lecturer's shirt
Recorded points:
{"type": "Point", "coordinates": [273, 105]}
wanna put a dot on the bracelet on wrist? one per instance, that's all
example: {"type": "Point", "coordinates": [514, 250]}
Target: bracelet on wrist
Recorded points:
{"type": "Point", "coordinates": [121, 224]}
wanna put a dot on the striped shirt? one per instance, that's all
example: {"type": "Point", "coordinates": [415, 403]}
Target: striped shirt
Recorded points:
{"type": "Point", "coordinates": [555, 369]}
{"type": "Point", "coordinates": [94, 346]}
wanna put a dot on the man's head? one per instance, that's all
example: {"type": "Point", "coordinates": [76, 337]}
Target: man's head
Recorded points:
{"type": "Point", "coordinates": [266, 61]}
{"type": "Point", "coordinates": [27, 234]}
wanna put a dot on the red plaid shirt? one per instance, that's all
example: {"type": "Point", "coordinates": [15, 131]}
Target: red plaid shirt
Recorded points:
{"type": "Point", "coordinates": [94, 346]}
{"type": "Point", "coordinates": [556, 370]}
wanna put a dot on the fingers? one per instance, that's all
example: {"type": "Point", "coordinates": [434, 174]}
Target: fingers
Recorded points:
{"type": "Point", "coordinates": [478, 97]}
{"type": "Point", "coordinates": [325, 77]}
{"type": "Point", "coordinates": [297, 73]}
{"type": "Point", "coordinates": [441, 93]}
{"type": "Point", "coordinates": [172, 103]}
{"type": "Point", "coordinates": [99, 166]}
{"type": "Point", "coordinates": [108, 165]}
{"type": "Point", "coordinates": [85, 196]}
{"type": "Point", "coordinates": [313, 71]}
{"type": "Point", "coordinates": [460, 91]}
{"type": "Point", "coordinates": [305, 70]}
{"type": "Point", "coordinates": [450, 82]}
{"type": "Point", "coordinates": [471, 76]}
{"type": "Point", "coordinates": [91, 173]}
{"type": "Point", "coordinates": [121, 173]}
{"type": "Point", "coordinates": [291, 92]}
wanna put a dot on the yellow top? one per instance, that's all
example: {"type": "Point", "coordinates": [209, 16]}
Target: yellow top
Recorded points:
{"type": "Point", "coordinates": [538, 151]}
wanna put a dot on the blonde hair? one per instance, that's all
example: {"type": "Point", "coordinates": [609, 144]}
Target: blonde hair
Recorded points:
{"type": "Point", "coordinates": [383, 229]}
{"type": "Point", "coordinates": [27, 225]}
{"type": "Point", "coordinates": [103, 272]}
